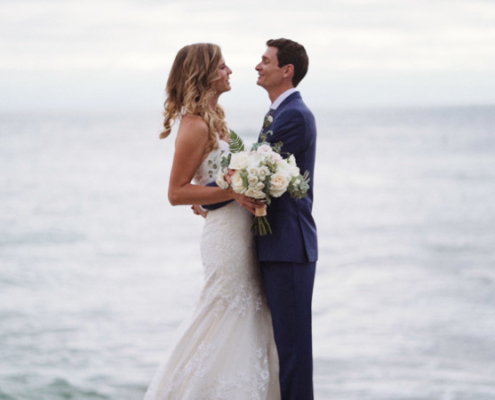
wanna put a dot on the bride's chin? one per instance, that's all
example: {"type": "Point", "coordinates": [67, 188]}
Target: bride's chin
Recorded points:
{"type": "Point", "coordinates": [225, 90]}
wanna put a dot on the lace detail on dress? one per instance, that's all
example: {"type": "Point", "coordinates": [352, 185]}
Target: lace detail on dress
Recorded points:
{"type": "Point", "coordinates": [228, 252]}
{"type": "Point", "coordinates": [207, 171]}
{"type": "Point", "coordinates": [196, 365]}
{"type": "Point", "coordinates": [251, 383]}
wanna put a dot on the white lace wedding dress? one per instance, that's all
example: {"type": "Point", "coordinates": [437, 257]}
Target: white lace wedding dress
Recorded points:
{"type": "Point", "coordinates": [226, 349]}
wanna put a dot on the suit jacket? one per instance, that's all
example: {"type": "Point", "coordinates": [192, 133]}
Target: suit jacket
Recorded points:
{"type": "Point", "coordinates": [294, 237]}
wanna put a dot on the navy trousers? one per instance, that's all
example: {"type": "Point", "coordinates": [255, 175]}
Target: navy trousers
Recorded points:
{"type": "Point", "coordinates": [289, 292]}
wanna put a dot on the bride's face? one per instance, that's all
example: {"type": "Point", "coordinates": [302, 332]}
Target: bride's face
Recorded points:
{"type": "Point", "coordinates": [223, 83]}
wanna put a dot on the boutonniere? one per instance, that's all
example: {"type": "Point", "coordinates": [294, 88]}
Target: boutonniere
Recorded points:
{"type": "Point", "coordinates": [268, 121]}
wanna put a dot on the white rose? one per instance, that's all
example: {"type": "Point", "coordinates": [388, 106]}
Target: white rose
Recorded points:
{"type": "Point", "coordinates": [255, 159]}
{"type": "Point", "coordinates": [252, 170]}
{"type": "Point", "coordinates": [259, 186]}
{"type": "Point", "coordinates": [286, 167]}
{"type": "Point", "coordinates": [279, 183]}
{"type": "Point", "coordinates": [292, 160]}
{"type": "Point", "coordinates": [252, 180]}
{"type": "Point", "coordinates": [263, 172]}
{"type": "Point", "coordinates": [237, 183]}
{"type": "Point", "coordinates": [221, 182]}
{"type": "Point", "coordinates": [295, 171]}
{"type": "Point", "coordinates": [264, 149]}
{"type": "Point", "coordinates": [275, 156]}
{"type": "Point", "coordinates": [239, 160]}
{"type": "Point", "coordinates": [255, 194]}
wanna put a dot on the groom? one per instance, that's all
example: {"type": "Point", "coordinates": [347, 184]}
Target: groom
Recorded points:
{"type": "Point", "coordinates": [288, 256]}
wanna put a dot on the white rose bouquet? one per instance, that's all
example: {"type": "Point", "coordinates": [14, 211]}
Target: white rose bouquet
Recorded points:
{"type": "Point", "coordinates": [261, 173]}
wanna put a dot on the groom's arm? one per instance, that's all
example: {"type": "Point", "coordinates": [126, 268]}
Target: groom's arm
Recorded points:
{"type": "Point", "coordinates": [290, 129]}
{"type": "Point", "coordinates": [215, 206]}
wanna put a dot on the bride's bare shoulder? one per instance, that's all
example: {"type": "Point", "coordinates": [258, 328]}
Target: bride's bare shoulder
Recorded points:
{"type": "Point", "coordinates": [193, 131]}
{"type": "Point", "coordinates": [193, 123]}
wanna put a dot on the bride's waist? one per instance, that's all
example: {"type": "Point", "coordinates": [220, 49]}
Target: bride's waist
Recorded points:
{"type": "Point", "coordinates": [231, 215]}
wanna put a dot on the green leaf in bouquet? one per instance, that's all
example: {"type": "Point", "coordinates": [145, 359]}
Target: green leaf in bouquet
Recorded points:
{"type": "Point", "coordinates": [300, 190]}
{"type": "Point", "coordinates": [277, 147]}
{"type": "Point", "coordinates": [244, 177]}
{"type": "Point", "coordinates": [268, 184]}
{"type": "Point", "coordinates": [236, 143]}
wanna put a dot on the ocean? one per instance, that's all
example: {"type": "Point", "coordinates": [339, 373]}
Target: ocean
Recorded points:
{"type": "Point", "coordinates": [98, 269]}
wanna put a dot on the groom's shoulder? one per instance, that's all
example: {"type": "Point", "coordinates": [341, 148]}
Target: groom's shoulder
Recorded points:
{"type": "Point", "coordinates": [297, 107]}
{"type": "Point", "coordinates": [295, 101]}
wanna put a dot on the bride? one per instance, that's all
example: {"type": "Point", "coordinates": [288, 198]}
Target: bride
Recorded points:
{"type": "Point", "coordinates": [226, 349]}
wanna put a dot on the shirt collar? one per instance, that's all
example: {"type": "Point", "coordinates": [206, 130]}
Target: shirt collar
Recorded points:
{"type": "Point", "coordinates": [282, 97]}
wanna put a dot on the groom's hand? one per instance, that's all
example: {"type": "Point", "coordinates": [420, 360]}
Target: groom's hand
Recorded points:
{"type": "Point", "coordinates": [198, 210]}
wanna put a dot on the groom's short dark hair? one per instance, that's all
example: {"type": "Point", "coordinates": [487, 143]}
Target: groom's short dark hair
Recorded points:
{"type": "Point", "coordinates": [290, 52]}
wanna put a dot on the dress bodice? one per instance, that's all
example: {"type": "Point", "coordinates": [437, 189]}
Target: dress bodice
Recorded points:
{"type": "Point", "coordinates": [207, 171]}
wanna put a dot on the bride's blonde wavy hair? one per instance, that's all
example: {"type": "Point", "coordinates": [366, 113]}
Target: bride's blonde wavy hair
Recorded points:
{"type": "Point", "coordinates": [191, 86]}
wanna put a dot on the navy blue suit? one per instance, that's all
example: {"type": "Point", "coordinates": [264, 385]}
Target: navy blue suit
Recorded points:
{"type": "Point", "coordinates": [288, 256]}
{"type": "Point", "coordinates": [294, 231]}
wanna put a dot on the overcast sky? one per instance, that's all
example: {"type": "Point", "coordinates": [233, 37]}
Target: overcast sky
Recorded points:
{"type": "Point", "coordinates": [117, 54]}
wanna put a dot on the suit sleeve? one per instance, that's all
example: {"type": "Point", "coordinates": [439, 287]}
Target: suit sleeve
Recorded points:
{"type": "Point", "coordinates": [290, 129]}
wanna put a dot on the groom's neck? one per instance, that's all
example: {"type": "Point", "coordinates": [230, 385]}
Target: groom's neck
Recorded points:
{"type": "Point", "coordinates": [273, 93]}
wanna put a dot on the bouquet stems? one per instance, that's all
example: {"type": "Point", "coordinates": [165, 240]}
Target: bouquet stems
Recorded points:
{"type": "Point", "coordinates": [260, 226]}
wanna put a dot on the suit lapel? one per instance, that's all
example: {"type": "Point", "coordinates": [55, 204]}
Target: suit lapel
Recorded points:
{"type": "Point", "coordinates": [293, 96]}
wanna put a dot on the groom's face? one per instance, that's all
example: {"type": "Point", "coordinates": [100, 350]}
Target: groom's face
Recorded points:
{"type": "Point", "coordinates": [270, 75]}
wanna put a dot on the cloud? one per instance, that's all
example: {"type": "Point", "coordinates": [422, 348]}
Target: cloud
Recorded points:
{"type": "Point", "coordinates": [345, 38]}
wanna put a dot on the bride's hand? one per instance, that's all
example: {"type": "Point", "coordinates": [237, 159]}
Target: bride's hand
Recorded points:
{"type": "Point", "coordinates": [248, 203]}
{"type": "Point", "coordinates": [199, 211]}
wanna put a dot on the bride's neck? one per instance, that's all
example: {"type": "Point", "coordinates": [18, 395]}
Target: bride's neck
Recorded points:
{"type": "Point", "coordinates": [214, 101]}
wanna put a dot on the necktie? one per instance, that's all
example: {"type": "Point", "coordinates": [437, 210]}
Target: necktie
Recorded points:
{"type": "Point", "coordinates": [267, 121]}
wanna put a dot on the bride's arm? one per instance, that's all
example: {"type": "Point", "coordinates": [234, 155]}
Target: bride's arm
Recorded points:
{"type": "Point", "coordinates": [190, 147]}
